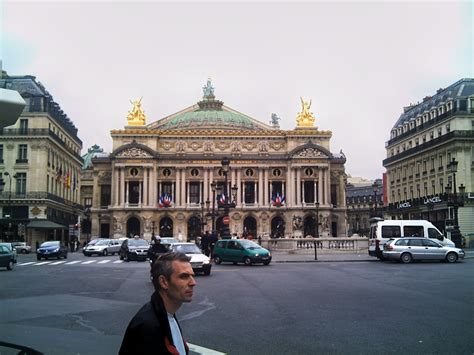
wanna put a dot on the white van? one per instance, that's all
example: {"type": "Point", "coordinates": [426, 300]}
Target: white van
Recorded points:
{"type": "Point", "coordinates": [381, 231]}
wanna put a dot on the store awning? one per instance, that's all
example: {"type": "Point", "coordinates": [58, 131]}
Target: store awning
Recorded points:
{"type": "Point", "coordinates": [44, 224]}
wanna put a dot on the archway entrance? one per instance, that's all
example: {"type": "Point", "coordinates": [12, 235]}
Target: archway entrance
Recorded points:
{"type": "Point", "coordinates": [166, 227]}
{"type": "Point", "coordinates": [250, 227]}
{"type": "Point", "coordinates": [309, 228]}
{"type": "Point", "coordinates": [194, 228]}
{"type": "Point", "coordinates": [133, 227]}
{"type": "Point", "coordinates": [278, 227]}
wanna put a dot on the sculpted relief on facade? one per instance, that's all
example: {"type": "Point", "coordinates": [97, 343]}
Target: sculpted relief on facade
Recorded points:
{"type": "Point", "coordinates": [310, 153]}
{"type": "Point", "coordinates": [133, 152]}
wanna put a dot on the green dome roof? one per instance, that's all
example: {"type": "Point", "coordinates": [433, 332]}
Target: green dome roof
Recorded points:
{"type": "Point", "coordinates": [210, 119]}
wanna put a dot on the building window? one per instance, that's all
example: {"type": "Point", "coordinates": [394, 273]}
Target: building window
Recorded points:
{"type": "Point", "coordinates": [440, 132]}
{"type": "Point", "coordinates": [22, 153]}
{"type": "Point", "coordinates": [249, 172]}
{"type": "Point", "coordinates": [417, 141]}
{"type": "Point", "coordinates": [308, 172]}
{"type": "Point", "coordinates": [309, 191]}
{"type": "Point", "coordinates": [194, 172]}
{"type": "Point", "coordinates": [424, 138]}
{"type": "Point", "coordinates": [448, 127]}
{"type": "Point", "coordinates": [431, 135]}
{"type": "Point", "coordinates": [276, 172]}
{"type": "Point", "coordinates": [104, 195]}
{"type": "Point", "coordinates": [194, 192]}
{"type": "Point", "coordinates": [249, 192]}
{"type": "Point", "coordinates": [441, 185]}
{"type": "Point", "coordinates": [134, 172]}
{"type": "Point", "coordinates": [20, 183]}
{"type": "Point", "coordinates": [88, 202]}
{"type": "Point", "coordinates": [166, 172]}
{"type": "Point", "coordinates": [1, 153]}
{"type": "Point", "coordinates": [23, 126]}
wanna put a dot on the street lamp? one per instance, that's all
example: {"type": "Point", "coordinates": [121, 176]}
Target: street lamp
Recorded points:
{"type": "Point", "coordinates": [87, 227]}
{"type": "Point", "coordinates": [213, 216]}
{"type": "Point", "coordinates": [317, 231]}
{"type": "Point", "coordinates": [203, 223]}
{"type": "Point", "coordinates": [375, 188]}
{"type": "Point", "coordinates": [153, 230]}
{"type": "Point", "coordinates": [10, 215]}
{"type": "Point", "coordinates": [225, 232]}
{"type": "Point", "coordinates": [455, 202]}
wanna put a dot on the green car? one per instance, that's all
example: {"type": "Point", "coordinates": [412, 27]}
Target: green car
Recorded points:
{"type": "Point", "coordinates": [241, 251]}
{"type": "Point", "coordinates": [7, 257]}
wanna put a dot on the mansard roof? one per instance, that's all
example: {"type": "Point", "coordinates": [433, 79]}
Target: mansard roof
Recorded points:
{"type": "Point", "coordinates": [460, 89]}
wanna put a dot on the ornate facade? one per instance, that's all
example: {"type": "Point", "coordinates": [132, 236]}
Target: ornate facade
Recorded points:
{"type": "Point", "coordinates": [160, 176]}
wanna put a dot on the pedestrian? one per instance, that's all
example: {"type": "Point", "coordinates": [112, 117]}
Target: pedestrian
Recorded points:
{"type": "Point", "coordinates": [205, 243]}
{"type": "Point", "coordinates": [155, 329]}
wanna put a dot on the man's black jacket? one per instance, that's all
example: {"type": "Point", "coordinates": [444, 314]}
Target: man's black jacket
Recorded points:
{"type": "Point", "coordinates": [149, 331]}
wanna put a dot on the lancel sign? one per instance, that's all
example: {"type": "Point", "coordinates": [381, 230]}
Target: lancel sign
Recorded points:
{"type": "Point", "coordinates": [434, 199]}
{"type": "Point", "coordinates": [404, 205]}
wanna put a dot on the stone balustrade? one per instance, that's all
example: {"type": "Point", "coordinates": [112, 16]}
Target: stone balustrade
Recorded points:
{"type": "Point", "coordinates": [301, 244]}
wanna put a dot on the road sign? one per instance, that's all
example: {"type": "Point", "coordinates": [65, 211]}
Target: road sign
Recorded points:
{"type": "Point", "coordinates": [226, 220]}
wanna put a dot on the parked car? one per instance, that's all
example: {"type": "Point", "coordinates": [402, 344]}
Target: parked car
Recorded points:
{"type": "Point", "coordinates": [22, 247]}
{"type": "Point", "coordinates": [51, 249]}
{"type": "Point", "coordinates": [199, 261]}
{"type": "Point", "coordinates": [382, 230]}
{"type": "Point", "coordinates": [10, 247]}
{"type": "Point", "coordinates": [7, 257]}
{"type": "Point", "coordinates": [134, 249]}
{"type": "Point", "coordinates": [103, 247]}
{"type": "Point", "coordinates": [241, 250]}
{"type": "Point", "coordinates": [168, 241]}
{"type": "Point", "coordinates": [408, 249]}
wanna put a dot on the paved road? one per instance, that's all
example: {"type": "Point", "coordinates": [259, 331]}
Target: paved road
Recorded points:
{"type": "Point", "coordinates": [285, 308]}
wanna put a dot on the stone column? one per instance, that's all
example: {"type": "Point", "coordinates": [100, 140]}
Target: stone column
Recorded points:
{"type": "Point", "coordinates": [178, 188]}
{"type": "Point", "coordinates": [154, 185]}
{"type": "Point", "coordinates": [183, 187]}
{"type": "Point", "coordinates": [289, 192]}
{"type": "Point", "coordinates": [240, 190]}
{"type": "Point", "coordinates": [320, 185]}
{"type": "Point", "coordinates": [327, 187]}
{"type": "Point", "coordinates": [122, 187]}
{"type": "Point", "coordinates": [298, 186]}
{"type": "Point", "coordinates": [260, 187]}
{"type": "Point", "coordinates": [266, 197]}
{"type": "Point", "coordinates": [145, 186]}
{"type": "Point", "coordinates": [206, 185]}
{"type": "Point", "coordinates": [126, 194]}
{"type": "Point", "coordinates": [342, 190]}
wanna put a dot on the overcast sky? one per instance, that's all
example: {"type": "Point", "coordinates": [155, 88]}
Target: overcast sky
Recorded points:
{"type": "Point", "coordinates": [359, 62]}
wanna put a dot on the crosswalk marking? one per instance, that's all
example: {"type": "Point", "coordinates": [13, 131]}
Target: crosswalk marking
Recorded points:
{"type": "Point", "coordinates": [88, 262]}
{"type": "Point", "coordinates": [103, 262]}
{"type": "Point", "coordinates": [118, 261]}
{"type": "Point", "coordinates": [43, 263]}
{"type": "Point", "coordinates": [58, 262]}
{"type": "Point", "coordinates": [73, 262]}
{"type": "Point", "coordinates": [29, 263]}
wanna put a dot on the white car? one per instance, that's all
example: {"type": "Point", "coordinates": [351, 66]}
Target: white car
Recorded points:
{"type": "Point", "coordinates": [199, 261]}
{"type": "Point", "coordinates": [103, 247]}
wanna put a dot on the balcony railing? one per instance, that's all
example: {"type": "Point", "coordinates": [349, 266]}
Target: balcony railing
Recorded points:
{"type": "Point", "coordinates": [429, 124]}
{"type": "Point", "coordinates": [37, 132]}
{"type": "Point", "coordinates": [37, 195]}
{"type": "Point", "coordinates": [430, 144]}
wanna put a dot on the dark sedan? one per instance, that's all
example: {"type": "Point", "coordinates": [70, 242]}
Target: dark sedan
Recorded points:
{"type": "Point", "coordinates": [51, 249]}
{"type": "Point", "coordinates": [134, 249]}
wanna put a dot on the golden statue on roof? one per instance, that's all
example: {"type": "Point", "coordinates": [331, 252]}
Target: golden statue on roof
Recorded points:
{"type": "Point", "coordinates": [305, 118]}
{"type": "Point", "coordinates": [136, 117]}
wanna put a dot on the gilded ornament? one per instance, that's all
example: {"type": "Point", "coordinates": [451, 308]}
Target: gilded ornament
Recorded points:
{"type": "Point", "coordinates": [136, 117]}
{"type": "Point", "coordinates": [305, 118]}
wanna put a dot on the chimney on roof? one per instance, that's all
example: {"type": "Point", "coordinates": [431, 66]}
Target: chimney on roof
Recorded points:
{"type": "Point", "coordinates": [408, 108]}
{"type": "Point", "coordinates": [426, 98]}
{"type": "Point", "coordinates": [439, 90]}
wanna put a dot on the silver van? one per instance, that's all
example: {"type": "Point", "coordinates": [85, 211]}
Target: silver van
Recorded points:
{"type": "Point", "coordinates": [383, 230]}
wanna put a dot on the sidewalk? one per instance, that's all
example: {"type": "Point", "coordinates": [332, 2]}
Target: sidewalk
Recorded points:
{"type": "Point", "coordinates": [332, 256]}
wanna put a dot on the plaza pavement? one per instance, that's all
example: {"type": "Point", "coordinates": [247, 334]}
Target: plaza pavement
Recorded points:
{"type": "Point", "coordinates": [307, 256]}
